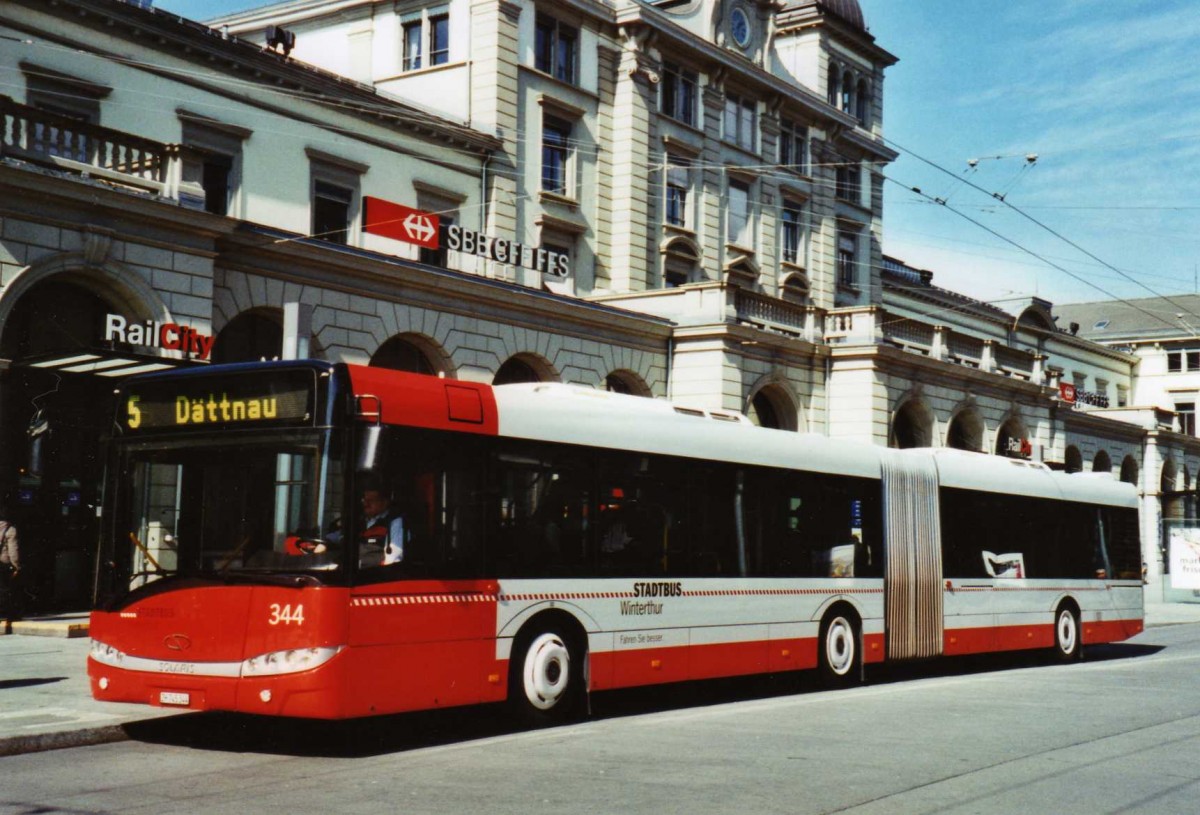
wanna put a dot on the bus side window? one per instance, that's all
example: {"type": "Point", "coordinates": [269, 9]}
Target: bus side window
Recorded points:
{"type": "Point", "coordinates": [967, 525]}
{"type": "Point", "coordinates": [1124, 546]}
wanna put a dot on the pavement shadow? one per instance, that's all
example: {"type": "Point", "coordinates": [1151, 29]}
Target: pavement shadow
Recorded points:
{"type": "Point", "coordinates": [355, 738]}
{"type": "Point", "coordinates": [380, 735]}
{"type": "Point", "coordinates": [29, 682]}
{"type": "Point", "coordinates": [1004, 661]}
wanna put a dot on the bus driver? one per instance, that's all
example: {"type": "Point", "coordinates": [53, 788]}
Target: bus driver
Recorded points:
{"type": "Point", "coordinates": [383, 530]}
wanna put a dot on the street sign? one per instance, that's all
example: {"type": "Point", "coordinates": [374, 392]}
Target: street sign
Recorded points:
{"type": "Point", "coordinates": [398, 222]}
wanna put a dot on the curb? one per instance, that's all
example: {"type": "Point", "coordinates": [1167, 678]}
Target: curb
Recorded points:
{"type": "Point", "coordinates": [18, 745]}
{"type": "Point", "coordinates": [42, 628]}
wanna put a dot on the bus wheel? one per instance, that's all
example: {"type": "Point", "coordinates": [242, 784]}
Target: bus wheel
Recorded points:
{"type": "Point", "coordinates": [546, 678]}
{"type": "Point", "coordinates": [1067, 644]}
{"type": "Point", "coordinates": [838, 655]}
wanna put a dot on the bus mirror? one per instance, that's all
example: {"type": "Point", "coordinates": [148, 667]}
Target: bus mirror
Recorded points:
{"type": "Point", "coordinates": [368, 448]}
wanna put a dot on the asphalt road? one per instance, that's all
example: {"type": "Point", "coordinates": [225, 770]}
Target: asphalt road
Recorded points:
{"type": "Point", "coordinates": [1119, 732]}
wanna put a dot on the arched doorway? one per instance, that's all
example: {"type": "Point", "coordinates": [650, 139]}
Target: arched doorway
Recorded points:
{"type": "Point", "coordinates": [912, 426]}
{"type": "Point", "coordinates": [626, 382]}
{"type": "Point", "coordinates": [250, 336]}
{"type": "Point", "coordinates": [56, 399]}
{"type": "Point", "coordinates": [403, 353]}
{"type": "Point", "coordinates": [1012, 440]}
{"type": "Point", "coordinates": [772, 406]}
{"type": "Point", "coordinates": [966, 431]}
{"type": "Point", "coordinates": [1101, 463]}
{"type": "Point", "coordinates": [1171, 495]}
{"type": "Point", "coordinates": [523, 368]}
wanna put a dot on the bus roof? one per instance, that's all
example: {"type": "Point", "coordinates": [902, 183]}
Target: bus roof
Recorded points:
{"type": "Point", "coordinates": [579, 415]}
{"type": "Point", "coordinates": [979, 471]}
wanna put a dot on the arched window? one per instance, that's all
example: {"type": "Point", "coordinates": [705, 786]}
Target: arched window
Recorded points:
{"type": "Point", "coordinates": [626, 382]}
{"type": "Point", "coordinates": [250, 336]}
{"type": "Point", "coordinates": [835, 84]}
{"type": "Point", "coordinates": [795, 289]}
{"type": "Point", "coordinates": [1073, 459]}
{"type": "Point", "coordinates": [912, 426]}
{"type": "Point", "coordinates": [966, 431]}
{"type": "Point", "coordinates": [402, 354]}
{"type": "Point", "coordinates": [681, 262]}
{"type": "Point", "coordinates": [1102, 463]}
{"type": "Point", "coordinates": [862, 102]}
{"type": "Point", "coordinates": [1129, 470]}
{"type": "Point", "coordinates": [524, 368]}
{"type": "Point", "coordinates": [847, 92]}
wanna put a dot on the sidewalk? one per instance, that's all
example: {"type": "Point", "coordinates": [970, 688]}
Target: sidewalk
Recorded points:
{"type": "Point", "coordinates": [45, 702]}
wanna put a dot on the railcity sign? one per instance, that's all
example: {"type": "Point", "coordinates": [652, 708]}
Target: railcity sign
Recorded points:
{"type": "Point", "coordinates": [152, 334]}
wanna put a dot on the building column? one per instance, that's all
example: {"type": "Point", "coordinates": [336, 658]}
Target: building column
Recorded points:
{"type": "Point", "coordinates": [633, 105]}
{"type": "Point", "coordinates": [1151, 514]}
{"type": "Point", "coordinates": [494, 95]}
{"type": "Point", "coordinates": [297, 330]}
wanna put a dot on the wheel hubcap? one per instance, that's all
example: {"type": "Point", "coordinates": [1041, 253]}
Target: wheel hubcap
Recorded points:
{"type": "Point", "coordinates": [1066, 632]}
{"type": "Point", "coordinates": [839, 646]}
{"type": "Point", "coordinates": [547, 669]}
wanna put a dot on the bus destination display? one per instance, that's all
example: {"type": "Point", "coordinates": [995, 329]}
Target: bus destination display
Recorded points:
{"type": "Point", "coordinates": [208, 403]}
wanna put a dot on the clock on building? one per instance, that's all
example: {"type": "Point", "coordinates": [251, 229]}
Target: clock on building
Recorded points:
{"type": "Point", "coordinates": [739, 26]}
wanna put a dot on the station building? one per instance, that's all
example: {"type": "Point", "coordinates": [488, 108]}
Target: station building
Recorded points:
{"type": "Point", "coordinates": [678, 200]}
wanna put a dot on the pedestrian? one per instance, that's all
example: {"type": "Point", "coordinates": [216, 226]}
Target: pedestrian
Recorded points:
{"type": "Point", "coordinates": [10, 568]}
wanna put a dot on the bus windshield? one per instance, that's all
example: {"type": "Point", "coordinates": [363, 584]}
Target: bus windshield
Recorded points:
{"type": "Point", "coordinates": [208, 507]}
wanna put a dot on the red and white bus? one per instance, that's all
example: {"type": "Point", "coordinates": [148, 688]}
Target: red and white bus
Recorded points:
{"type": "Point", "coordinates": [557, 541]}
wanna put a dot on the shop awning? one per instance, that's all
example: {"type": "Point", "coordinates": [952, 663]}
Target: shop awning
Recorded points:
{"type": "Point", "coordinates": [104, 363]}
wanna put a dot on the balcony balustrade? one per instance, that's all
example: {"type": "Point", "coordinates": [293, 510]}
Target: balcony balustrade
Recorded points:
{"type": "Point", "coordinates": [63, 143]}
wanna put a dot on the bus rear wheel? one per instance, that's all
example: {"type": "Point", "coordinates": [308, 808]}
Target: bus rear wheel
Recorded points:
{"type": "Point", "coordinates": [839, 656]}
{"type": "Point", "coordinates": [546, 678]}
{"type": "Point", "coordinates": [1067, 643]}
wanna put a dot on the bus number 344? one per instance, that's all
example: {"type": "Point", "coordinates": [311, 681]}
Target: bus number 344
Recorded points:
{"type": "Point", "coordinates": [286, 615]}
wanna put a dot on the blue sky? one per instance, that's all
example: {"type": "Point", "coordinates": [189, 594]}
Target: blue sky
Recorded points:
{"type": "Point", "coordinates": [1107, 95]}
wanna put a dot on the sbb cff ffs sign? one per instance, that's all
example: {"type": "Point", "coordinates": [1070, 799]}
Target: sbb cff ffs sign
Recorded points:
{"type": "Point", "coordinates": [398, 222]}
{"type": "Point", "coordinates": [401, 223]}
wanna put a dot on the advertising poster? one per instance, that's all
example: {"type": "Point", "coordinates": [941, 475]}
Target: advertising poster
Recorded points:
{"type": "Point", "coordinates": [1184, 544]}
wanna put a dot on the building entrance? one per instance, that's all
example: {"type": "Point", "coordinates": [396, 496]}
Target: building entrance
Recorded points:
{"type": "Point", "coordinates": [57, 373]}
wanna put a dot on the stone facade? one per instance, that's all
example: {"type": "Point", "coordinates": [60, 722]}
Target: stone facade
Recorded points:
{"type": "Point", "coordinates": [759, 287]}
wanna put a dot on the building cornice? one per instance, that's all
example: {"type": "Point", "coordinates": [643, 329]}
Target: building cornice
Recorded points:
{"type": "Point", "coordinates": [158, 31]}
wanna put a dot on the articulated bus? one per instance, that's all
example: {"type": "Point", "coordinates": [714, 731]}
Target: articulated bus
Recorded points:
{"type": "Point", "coordinates": [546, 541]}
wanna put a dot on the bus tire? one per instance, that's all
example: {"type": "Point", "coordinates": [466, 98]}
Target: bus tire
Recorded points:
{"type": "Point", "coordinates": [1068, 643]}
{"type": "Point", "coordinates": [839, 655]}
{"type": "Point", "coordinates": [545, 684]}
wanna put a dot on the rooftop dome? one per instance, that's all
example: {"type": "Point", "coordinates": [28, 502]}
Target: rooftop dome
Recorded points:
{"type": "Point", "coordinates": [848, 10]}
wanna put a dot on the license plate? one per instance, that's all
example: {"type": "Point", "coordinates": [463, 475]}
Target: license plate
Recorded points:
{"type": "Point", "coordinates": [168, 697]}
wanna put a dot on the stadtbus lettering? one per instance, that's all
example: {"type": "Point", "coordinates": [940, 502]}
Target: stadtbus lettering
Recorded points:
{"type": "Point", "coordinates": [657, 589]}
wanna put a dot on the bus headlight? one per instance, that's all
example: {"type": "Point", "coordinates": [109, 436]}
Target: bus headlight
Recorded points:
{"type": "Point", "coordinates": [290, 661]}
{"type": "Point", "coordinates": [106, 654]}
